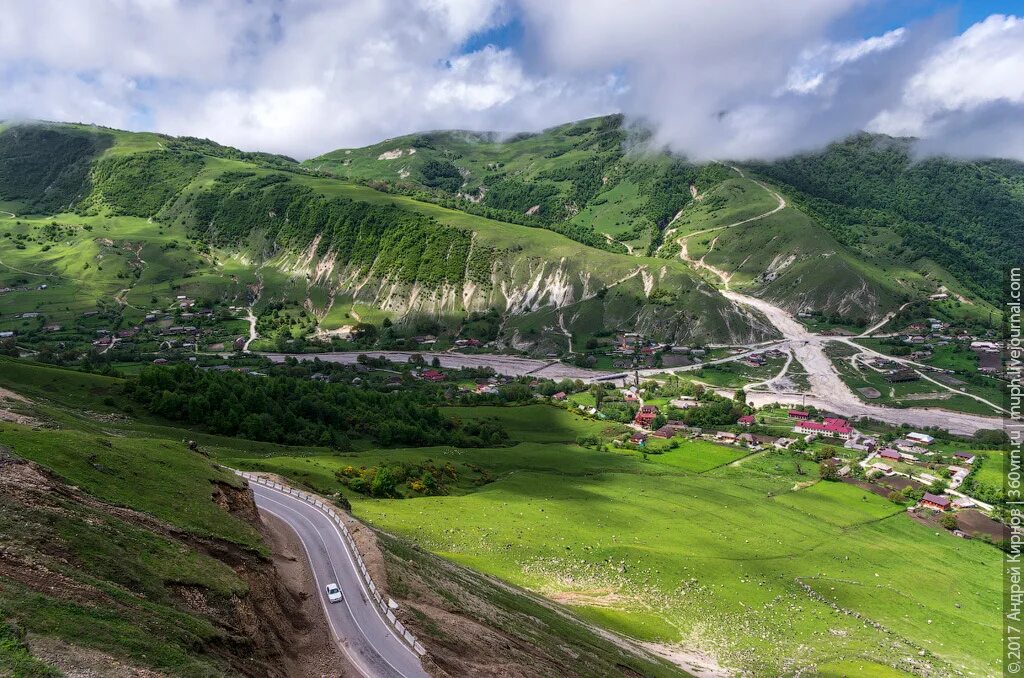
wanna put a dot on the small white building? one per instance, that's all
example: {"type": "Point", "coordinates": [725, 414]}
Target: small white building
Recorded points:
{"type": "Point", "coordinates": [920, 438]}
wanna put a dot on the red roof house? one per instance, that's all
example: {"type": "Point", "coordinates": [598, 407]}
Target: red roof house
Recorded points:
{"type": "Point", "coordinates": [432, 375]}
{"type": "Point", "coordinates": [935, 501]}
{"type": "Point", "coordinates": [747, 420]}
{"type": "Point", "coordinates": [888, 453]}
{"type": "Point", "coordinates": [646, 416]}
{"type": "Point", "coordinates": [830, 427]}
{"type": "Point", "coordinates": [559, 396]}
{"type": "Point", "coordinates": [798, 414]}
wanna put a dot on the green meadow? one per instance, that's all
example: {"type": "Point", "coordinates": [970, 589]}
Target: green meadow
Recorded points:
{"type": "Point", "coordinates": [747, 557]}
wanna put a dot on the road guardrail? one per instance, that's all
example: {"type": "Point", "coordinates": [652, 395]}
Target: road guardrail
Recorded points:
{"type": "Point", "coordinates": [382, 605]}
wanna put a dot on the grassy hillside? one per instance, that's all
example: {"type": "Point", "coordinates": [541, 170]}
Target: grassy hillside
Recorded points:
{"type": "Point", "coordinates": [695, 546]}
{"type": "Point", "coordinates": [599, 182]}
{"type": "Point", "coordinates": [162, 218]}
{"type": "Point", "coordinates": [124, 548]}
{"type": "Point", "coordinates": [588, 180]}
{"type": "Point", "coordinates": [570, 231]}
{"type": "Point", "coordinates": [966, 216]}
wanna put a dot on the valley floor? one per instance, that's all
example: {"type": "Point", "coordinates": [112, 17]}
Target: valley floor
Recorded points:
{"type": "Point", "coordinates": [745, 557]}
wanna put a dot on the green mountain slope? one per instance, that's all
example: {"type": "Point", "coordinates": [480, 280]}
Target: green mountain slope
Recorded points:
{"type": "Point", "coordinates": [598, 179]}
{"type": "Point", "coordinates": [875, 196]}
{"type": "Point", "coordinates": [127, 551]}
{"type": "Point", "coordinates": [161, 218]}
{"type": "Point", "coordinates": [564, 234]}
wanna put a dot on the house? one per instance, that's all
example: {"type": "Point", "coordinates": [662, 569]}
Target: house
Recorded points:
{"type": "Point", "coordinates": [666, 431]}
{"type": "Point", "coordinates": [432, 375]}
{"type": "Point", "coordinates": [836, 428]}
{"type": "Point", "coordinates": [646, 416]}
{"type": "Point", "coordinates": [861, 443]}
{"type": "Point", "coordinates": [725, 437]}
{"type": "Point", "coordinates": [747, 420]}
{"type": "Point", "coordinates": [6, 334]}
{"type": "Point", "coordinates": [890, 454]}
{"type": "Point", "coordinates": [559, 396]}
{"type": "Point", "coordinates": [884, 469]}
{"type": "Point", "coordinates": [908, 446]}
{"type": "Point", "coordinates": [638, 438]}
{"type": "Point", "coordinates": [963, 502]}
{"type": "Point", "coordinates": [783, 443]}
{"type": "Point", "coordinates": [160, 361]}
{"type": "Point", "coordinates": [964, 457]}
{"type": "Point", "coordinates": [900, 376]}
{"type": "Point", "coordinates": [630, 396]}
{"type": "Point", "coordinates": [957, 476]}
{"type": "Point", "coordinates": [935, 501]}
{"type": "Point", "coordinates": [798, 414]}
{"type": "Point", "coordinates": [920, 438]}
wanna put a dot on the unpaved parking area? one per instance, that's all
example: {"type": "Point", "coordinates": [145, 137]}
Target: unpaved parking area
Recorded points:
{"type": "Point", "coordinates": [512, 366]}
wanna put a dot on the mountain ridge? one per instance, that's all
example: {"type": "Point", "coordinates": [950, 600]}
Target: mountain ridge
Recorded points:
{"type": "Point", "coordinates": [428, 229]}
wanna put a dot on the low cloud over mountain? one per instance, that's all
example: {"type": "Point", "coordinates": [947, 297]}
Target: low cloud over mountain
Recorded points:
{"type": "Point", "coordinates": [733, 78]}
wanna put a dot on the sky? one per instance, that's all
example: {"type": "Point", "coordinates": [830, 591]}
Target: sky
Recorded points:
{"type": "Point", "coordinates": [734, 79]}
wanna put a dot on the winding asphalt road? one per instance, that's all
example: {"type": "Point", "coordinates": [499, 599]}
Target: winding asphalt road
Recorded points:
{"type": "Point", "coordinates": [368, 641]}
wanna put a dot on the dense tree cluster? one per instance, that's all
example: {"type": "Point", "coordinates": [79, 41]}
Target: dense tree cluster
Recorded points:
{"type": "Point", "coordinates": [967, 216]}
{"type": "Point", "coordinates": [442, 175]}
{"type": "Point", "coordinates": [295, 410]}
{"type": "Point", "coordinates": [387, 239]}
{"type": "Point", "coordinates": [140, 184]}
{"type": "Point", "coordinates": [47, 167]}
{"type": "Point", "coordinates": [212, 148]}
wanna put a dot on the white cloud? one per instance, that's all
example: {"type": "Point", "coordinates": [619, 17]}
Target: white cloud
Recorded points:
{"type": "Point", "coordinates": [733, 78]}
{"type": "Point", "coordinates": [968, 96]}
{"type": "Point", "coordinates": [814, 65]}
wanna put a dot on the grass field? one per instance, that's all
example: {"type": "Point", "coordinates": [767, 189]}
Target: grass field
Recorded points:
{"type": "Point", "coordinates": [733, 559]}
{"type": "Point", "coordinates": [120, 577]}
{"type": "Point", "coordinates": [729, 202]}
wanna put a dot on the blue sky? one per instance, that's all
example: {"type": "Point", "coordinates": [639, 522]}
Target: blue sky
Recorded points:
{"type": "Point", "coordinates": [729, 78]}
{"type": "Point", "coordinates": [871, 20]}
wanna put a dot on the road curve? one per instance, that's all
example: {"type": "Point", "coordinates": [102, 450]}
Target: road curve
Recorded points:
{"type": "Point", "coordinates": [368, 641]}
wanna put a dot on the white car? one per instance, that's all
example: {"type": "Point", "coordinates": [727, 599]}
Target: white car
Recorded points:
{"type": "Point", "coordinates": [333, 593]}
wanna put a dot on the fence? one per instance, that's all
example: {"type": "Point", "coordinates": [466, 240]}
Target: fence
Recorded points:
{"type": "Point", "coordinates": [332, 513]}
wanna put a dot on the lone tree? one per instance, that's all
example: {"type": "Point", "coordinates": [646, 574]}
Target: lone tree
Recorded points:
{"type": "Point", "coordinates": [950, 522]}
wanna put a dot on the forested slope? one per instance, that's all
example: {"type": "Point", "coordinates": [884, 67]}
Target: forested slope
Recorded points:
{"type": "Point", "coordinates": [967, 216]}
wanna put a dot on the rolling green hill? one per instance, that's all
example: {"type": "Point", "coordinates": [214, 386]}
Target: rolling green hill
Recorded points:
{"type": "Point", "coordinates": [157, 218]}
{"type": "Point", "coordinates": [565, 233]}
{"type": "Point", "coordinates": [876, 196]}
{"type": "Point", "coordinates": [126, 551]}
{"type": "Point", "coordinates": [601, 180]}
